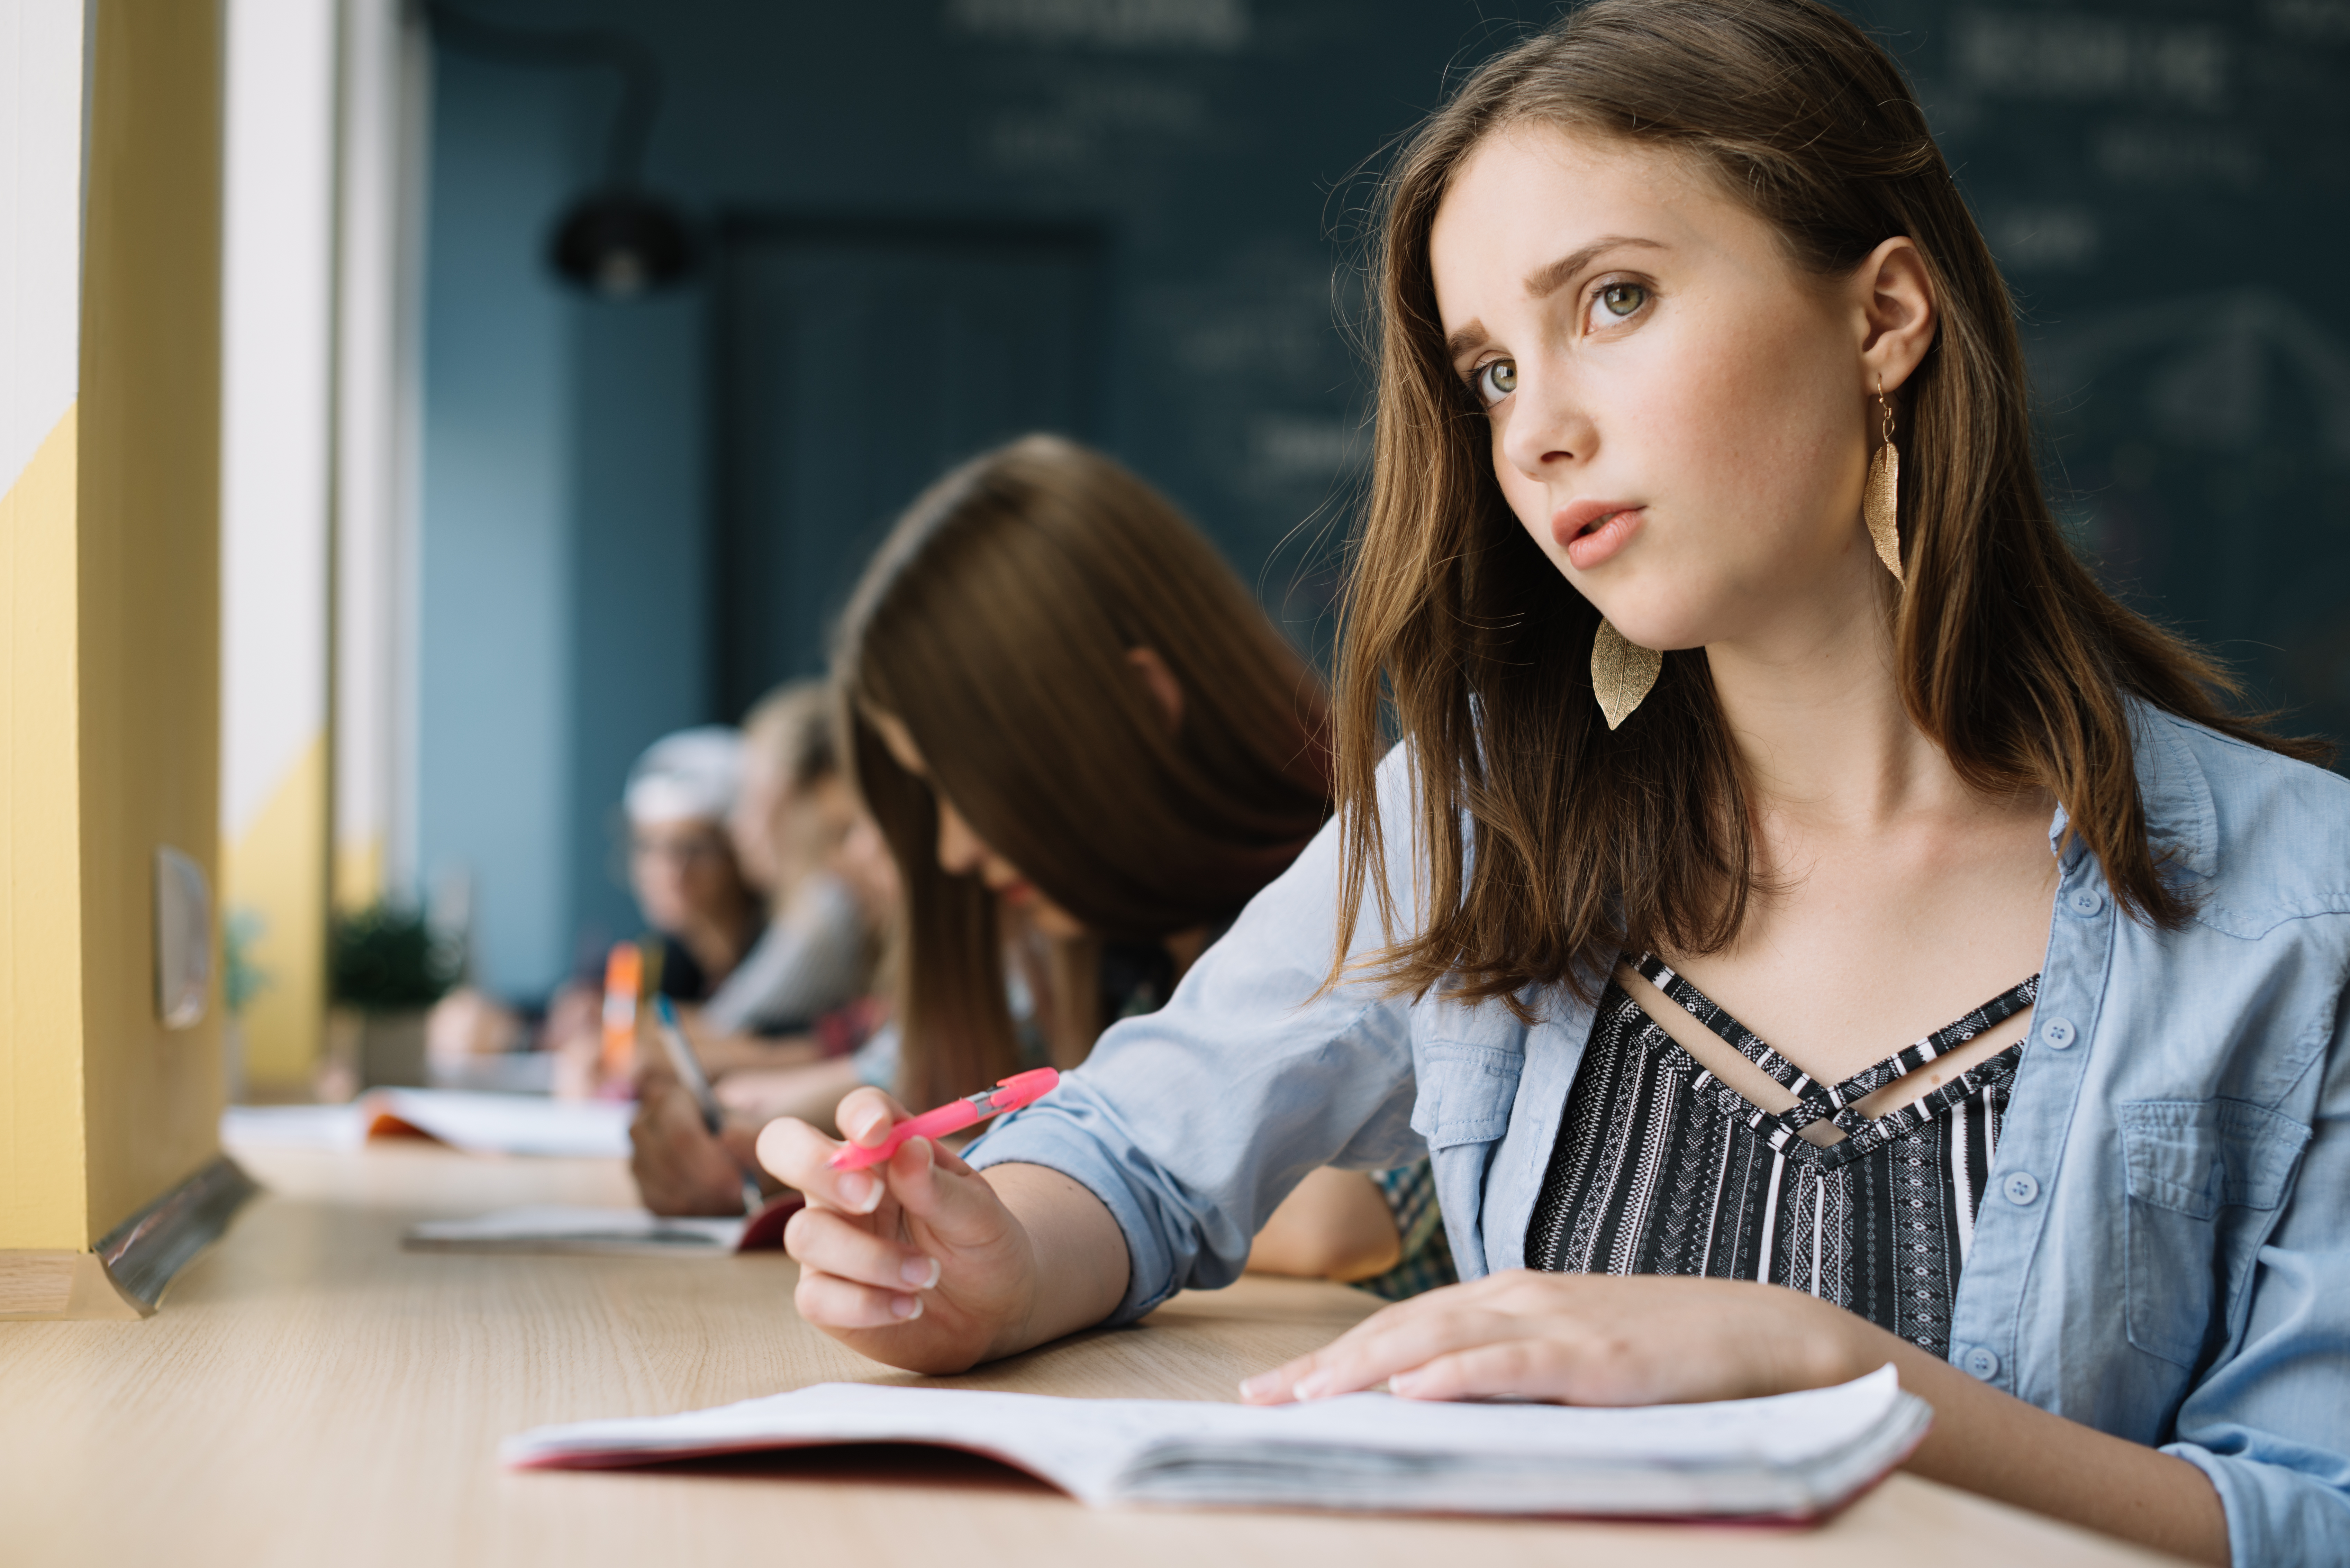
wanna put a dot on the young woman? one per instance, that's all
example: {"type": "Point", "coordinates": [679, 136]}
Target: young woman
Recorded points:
{"type": "Point", "coordinates": [701, 915]}
{"type": "Point", "coordinates": [1688, 339]}
{"type": "Point", "coordinates": [1087, 748]}
{"type": "Point", "coordinates": [790, 814]}
{"type": "Point", "coordinates": [701, 912]}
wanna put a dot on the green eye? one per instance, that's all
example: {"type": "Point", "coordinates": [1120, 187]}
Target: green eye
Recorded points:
{"type": "Point", "coordinates": [1621, 299]}
{"type": "Point", "coordinates": [1497, 379]}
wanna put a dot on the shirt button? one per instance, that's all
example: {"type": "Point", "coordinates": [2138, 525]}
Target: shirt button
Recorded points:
{"type": "Point", "coordinates": [2020, 1187]}
{"type": "Point", "coordinates": [2057, 1032]}
{"type": "Point", "coordinates": [2086, 901]}
{"type": "Point", "coordinates": [1983, 1362]}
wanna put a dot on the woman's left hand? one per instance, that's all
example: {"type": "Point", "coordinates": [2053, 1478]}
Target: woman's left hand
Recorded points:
{"type": "Point", "coordinates": [1586, 1339]}
{"type": "Point", "coordinates": [680, 1168]}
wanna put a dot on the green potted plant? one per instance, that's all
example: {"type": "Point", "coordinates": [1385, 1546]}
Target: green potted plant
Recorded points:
{"type": "Point", "coordinates": [241, 980]}
{"type": "Point", "coordinates": [385, 969]}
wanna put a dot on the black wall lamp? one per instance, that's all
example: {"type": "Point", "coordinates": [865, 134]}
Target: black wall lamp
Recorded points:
{"type": "Point", "coordinates": [618, 241]}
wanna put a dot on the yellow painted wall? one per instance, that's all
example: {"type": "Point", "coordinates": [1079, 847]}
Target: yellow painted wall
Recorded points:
{"type": "Point", "coordinates": [43, 1195]}
{"type": "Point", "coordinates": [278, 868]}
{"type": "Point", "coordinates": [149, 543]}
{"type": "Point", "coordinates": [111, 681]}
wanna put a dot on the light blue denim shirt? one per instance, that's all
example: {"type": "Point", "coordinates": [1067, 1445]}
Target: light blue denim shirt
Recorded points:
{"type": "Point", "coordinates": [2165, 1251]}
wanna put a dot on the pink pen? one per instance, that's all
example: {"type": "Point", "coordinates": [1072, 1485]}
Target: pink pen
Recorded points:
{"type": "Point", "coordinates": [1018, 1090]}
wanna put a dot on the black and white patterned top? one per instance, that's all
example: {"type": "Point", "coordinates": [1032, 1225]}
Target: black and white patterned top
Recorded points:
{"type": "Point", "coordinates": [1660, 1168]}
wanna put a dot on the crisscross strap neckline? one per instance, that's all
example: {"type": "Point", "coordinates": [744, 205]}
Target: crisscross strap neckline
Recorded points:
{"type": "Point", "coordinates": [1833, 1103]}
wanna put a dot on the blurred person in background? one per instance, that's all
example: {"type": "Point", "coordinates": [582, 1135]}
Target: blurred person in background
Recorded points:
{"type": "Point", "coordinates": [703, 912]}
{"type": "Point", "coordinates": [816, 954]}
{"type": "Point", "coordinates": [680, 1169]}
{"type": "Point", "coordinates": [702, 916]}
{"type": "Point", "coordinates": [1087, 749]}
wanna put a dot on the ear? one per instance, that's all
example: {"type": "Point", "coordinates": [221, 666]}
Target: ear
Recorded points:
{"type": "Point", "coordinates": [1897, 315]}
{"type": "Point", "coordinates": [1161, 681]}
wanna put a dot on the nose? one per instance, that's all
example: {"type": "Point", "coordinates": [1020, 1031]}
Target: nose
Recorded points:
{"type": "Point", "coordinates": [1546, 427]}
{"type": "Point", "coordinates": [961, 851]}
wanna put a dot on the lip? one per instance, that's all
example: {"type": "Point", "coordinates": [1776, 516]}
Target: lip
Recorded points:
{"type": "Point", "coordinates": [1592, 531]}
{"type": "Point", "coordinates": [1016, 893]}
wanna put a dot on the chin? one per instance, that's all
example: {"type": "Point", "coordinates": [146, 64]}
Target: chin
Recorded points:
{"type": "Point", "coordinates": [1666, 633]}
{"type": "Point", "coordinates": [1657, 607]}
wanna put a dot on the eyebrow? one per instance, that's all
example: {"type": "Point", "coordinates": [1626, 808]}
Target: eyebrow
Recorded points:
{"type": "Point", "coordinates": [1547, 280]}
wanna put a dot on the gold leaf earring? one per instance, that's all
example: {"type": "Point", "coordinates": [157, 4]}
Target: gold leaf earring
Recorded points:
{"type": "Point", "coordinates": [1622, 672]}
{"type": "Point", "coordinates": [1881, 500]}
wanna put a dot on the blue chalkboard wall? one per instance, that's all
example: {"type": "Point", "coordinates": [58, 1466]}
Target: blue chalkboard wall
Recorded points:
{"type": "Point", "coordinates": [2165, 180]}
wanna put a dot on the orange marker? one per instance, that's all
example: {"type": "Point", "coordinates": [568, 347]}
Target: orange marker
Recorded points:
{"type": "Point", "coordinates": [624, 979]}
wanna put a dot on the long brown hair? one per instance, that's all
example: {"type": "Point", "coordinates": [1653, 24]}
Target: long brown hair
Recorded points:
{"type": "Point", "coordinates": [2008, 653]}
{"type": "Point", "coordinates": [995, 625]}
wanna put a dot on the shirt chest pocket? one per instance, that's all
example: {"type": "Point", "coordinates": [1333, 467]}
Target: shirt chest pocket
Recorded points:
{"type": "Point", "coordinates": [2206, 1178]}
{"type": "Point", "coordinates": [1465, 1092]}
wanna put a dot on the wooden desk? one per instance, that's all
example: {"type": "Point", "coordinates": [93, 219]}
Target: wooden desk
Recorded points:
{"type": "Point", "coordinates": [310, 1394]}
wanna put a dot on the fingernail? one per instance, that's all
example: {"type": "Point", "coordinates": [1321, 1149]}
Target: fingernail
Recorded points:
{"type": "Point", "coordinates": [920, 1272]}
{"type": "Point", "coordinates": [1313, 1385]}
{"type": "Point", "coordinates": [905, 1309]}
{"type": "Point", "coordinates": [1402, 1383]}
{"type": "Point", "coordinates": [1258, 1387]}
{"type": "Point", "coordinates": [860, 1192]}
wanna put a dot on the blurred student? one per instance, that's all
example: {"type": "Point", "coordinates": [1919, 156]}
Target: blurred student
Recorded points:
{"type": "Point", "coordinates": [702, 916]}
{"type": "Point", "coordinates": [701, 913]}
{"type": "Point", "coordinates": [688, 885]}
{"type": "Point", "coordinates": [1087, 749]}
{"type": "Point", "coordinates": [680, 1170]}
{"type": "Point", "coordinates": [816, 954]}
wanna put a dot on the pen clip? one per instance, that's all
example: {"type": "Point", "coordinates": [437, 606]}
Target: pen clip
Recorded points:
{"type": "Point", "coordinates": [1022, 1089]}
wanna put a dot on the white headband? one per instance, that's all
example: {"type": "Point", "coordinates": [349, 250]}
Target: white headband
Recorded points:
{"type": "Point", "coordinates": [688, 776]}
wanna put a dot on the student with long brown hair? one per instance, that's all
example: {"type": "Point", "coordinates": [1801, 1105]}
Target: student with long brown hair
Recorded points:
{"type": "Point", "coordinates": [1070, 719]}
{"type": "Point", "coordinates": [1087, 748]}
{"type": "Point", "coordinates": [1755, 719]}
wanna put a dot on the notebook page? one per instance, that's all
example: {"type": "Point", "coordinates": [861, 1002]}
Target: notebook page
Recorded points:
{"type": "Point", "coordinates": [1077, 1445]}
{"type": "Point", "coordinates": [338, 1127]}
{"type": "Point", "coordinates": [511, 1124]}
{"type": "Point", "coordinates": [1782, 1428]}
{"type": "Point", "coordinates": [1369, 1450]}
{"type": "Point", "coordinates": [557, 1227]}
{"type": "Point", "coordinates": [1789, 1457]}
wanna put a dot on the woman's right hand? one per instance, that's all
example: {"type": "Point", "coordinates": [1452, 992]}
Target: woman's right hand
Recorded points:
{"type": "Point", "coordinates": [681, 1168]}
{"type": "Point", "coordinates": [918, 1261]}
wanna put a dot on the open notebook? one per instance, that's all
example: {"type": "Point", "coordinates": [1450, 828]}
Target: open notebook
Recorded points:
{"type": "Point", "coordinates": [1792, 1457]}
{"type": "Point", "coordinates": [476, 1123]}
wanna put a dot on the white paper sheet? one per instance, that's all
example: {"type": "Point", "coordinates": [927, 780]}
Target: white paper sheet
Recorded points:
{"type": "Point", "coordinates": [1792, 1457]}
{"type": "Point", "coordinates": [474, 1122]}
{"type": "Point", "coordinates": [511, 1124]}
{"type": "Point", "coordinates": [557, 1227]}
{"type": "Point", "coordinates": [293, 1127]}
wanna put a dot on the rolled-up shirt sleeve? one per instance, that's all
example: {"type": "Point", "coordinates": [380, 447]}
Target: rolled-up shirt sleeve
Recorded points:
{"type": "Point", "coordinates": [2271, 1423]}
{"type": "Point", "coordinates": [1191, 1123]}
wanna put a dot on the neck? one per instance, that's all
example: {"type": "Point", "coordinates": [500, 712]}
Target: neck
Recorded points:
{"type": "Point", "coordinates": [1813, 710]}
{"type": "Point", "coordinates": [716, 941]}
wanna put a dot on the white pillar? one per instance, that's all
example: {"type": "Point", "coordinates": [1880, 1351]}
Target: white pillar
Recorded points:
{"type": "Point", "coordinates": [277, 498]}
{"type": "Point", "coordinates": [385, 64]}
